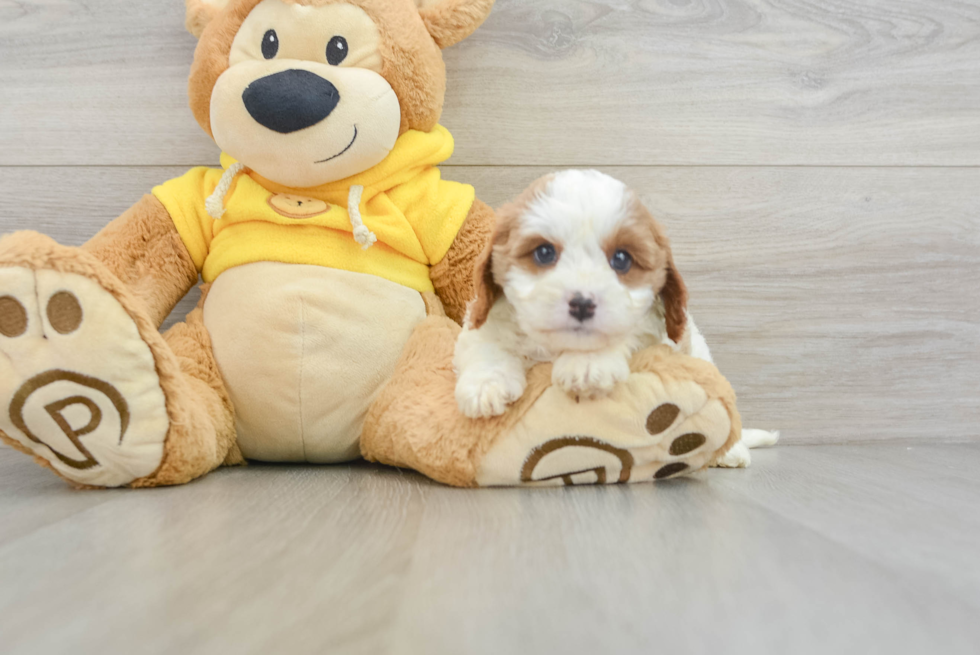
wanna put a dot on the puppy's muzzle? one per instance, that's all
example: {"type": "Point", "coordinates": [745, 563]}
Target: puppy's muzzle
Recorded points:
{"type": "Point", "coordinates": [581, 308]}
{"type": "Point", "coordinates": [290, 101]}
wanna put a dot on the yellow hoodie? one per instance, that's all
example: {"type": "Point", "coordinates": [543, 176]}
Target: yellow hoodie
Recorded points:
{"type": "Point", "coordinates": [405, 203]}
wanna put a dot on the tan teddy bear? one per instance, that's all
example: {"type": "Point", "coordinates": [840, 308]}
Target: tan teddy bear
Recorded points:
{"type": "Point", "coordinates": [336, 263]}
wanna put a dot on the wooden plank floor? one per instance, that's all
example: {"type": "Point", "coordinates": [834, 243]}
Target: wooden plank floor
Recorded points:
{"type": "Point", "coordinates": [817, 549]}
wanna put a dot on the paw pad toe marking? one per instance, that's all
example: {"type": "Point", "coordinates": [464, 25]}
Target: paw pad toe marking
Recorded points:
{"type": "Point", "coordinates": [64, 312]}
{"type": "Point", "coordinates": [13, 317]}
{"type": "Point", "coordinates": [687, 443]}
{"type": "Point", "coordinates": [662, 418]}
{"type": "Point", "coordinates": [539, 453]}
{"type": "Point", "coordinates": [644, 430]}
{"type": "Point", "coordinates": [79, 386]}
{"type": "Point", "coordinates": [670, 470]}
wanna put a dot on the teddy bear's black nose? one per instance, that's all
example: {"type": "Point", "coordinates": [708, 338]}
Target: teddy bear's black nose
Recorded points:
{"type": "Point", "coordinates": [290, 100]}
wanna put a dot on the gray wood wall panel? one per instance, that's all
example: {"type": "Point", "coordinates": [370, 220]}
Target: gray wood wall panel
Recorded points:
{"type": "Point", "coordinates": [841, 302]}
{"type": "Point", "coordinates": [551, 82]}
{"type": "Point", "coordinates": [839, 295]}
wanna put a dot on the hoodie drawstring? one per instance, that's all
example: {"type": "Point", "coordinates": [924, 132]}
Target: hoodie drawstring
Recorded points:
{"type": "Point", "coordinates": [362, 235]}
{"type": "Point", "coordinates": [215, 205]}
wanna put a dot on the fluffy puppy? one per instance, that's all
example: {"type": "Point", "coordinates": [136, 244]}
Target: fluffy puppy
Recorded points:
{"type": "Point", "coordinates": [578, 274]}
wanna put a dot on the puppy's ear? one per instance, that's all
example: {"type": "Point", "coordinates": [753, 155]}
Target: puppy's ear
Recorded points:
{"type": "Point", "coordinates": [451, 21]}
{"type": "Point", "coordinates": [200, 13]}
{"type": "Point", "coordinates": [673, 293]}
{"type": "Point", "coordinates": [487, 291]}
{"type": "Point", "coordinates": [674, 296]}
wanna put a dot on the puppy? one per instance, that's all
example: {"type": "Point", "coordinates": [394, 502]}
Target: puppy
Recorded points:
{"type": "Point", "coordinates": [578, 274]}
{"type": "Point", "coordinates": [581, 275]}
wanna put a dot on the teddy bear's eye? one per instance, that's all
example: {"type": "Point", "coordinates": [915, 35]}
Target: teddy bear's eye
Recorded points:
{"type": "Point", "coordinates": [336, 50]}
{"type": "Point", "coordinates": [270, 44]}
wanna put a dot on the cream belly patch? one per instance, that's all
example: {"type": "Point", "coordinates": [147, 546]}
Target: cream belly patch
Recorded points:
{"type": "Point", "coordinates": [303, 351]}
{"type": "Point", "coordinates": [293, 206]}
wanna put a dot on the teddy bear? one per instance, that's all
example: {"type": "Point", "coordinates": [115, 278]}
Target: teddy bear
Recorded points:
{"type": "Point", "coordinates": [336, 266]}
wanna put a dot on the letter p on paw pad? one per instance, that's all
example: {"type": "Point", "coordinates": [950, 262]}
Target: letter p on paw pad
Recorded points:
{"type": "Point", "coordinates": [78, 385]}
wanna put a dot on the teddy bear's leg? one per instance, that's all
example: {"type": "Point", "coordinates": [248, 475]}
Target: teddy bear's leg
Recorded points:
{"type": "Point", "coordinates": [202, 431]}
{"type": "Point", "coordinates": [89, 387]}
{"type": "Point", "coordinates": [673, 415]}
{"type": "Point", "coordinates": [414, 422]}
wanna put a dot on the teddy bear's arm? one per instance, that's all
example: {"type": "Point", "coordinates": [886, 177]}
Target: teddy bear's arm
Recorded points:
{"type": "Point", "coordinates": [143, 249]}
{"type": "Point", "coordinates": [453, 276]}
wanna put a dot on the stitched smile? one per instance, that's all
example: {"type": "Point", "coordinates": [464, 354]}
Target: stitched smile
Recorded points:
{"type": "Point", "coordinates": [323, 161]}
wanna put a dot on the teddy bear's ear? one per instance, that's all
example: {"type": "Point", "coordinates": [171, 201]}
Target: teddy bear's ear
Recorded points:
{"type": "Point", "coordinates": [451, 21]}
{"type": "Point", "coordinates": [200, 13]}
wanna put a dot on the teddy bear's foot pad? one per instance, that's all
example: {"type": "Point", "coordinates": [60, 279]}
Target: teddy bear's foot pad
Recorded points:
{"type": "Point", "coordinates": [78, 386]}
{"type": "Point", "coordinates": [647, 429]}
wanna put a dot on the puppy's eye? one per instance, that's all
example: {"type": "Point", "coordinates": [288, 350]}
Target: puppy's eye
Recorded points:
{"type": "Point", "coordinates": [621, 261]}
{"type": "Point", "coordinates": [270, 44]}
{"type": "Point", "coordinates": [545, 255]}
{"type": "Point", "coordinates": [336, 50]}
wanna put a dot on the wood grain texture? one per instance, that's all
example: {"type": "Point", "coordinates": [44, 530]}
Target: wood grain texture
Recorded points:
{"type": "Point", "coordinates": [30, 502]}
{"type": "Point", "coordinates": [841, 303]}
{"type": "Point", "coordinates": [551, 82]}
{"type": "Point", "coordinates": [697, 567]}
{"type": "Point", "coordinates": [817, 165]}
{"type": "Point", "coordinates": [934, 531]}
{"type": "Point", "coordinates": [843, 549]}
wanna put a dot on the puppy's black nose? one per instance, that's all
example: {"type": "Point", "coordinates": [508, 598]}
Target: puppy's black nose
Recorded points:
{"type": "Point", "coordinates": [581, 308]}
{"type": "Point", "coordinates": [290, 100]}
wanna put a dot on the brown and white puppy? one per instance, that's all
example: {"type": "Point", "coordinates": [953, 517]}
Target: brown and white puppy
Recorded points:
{"type": "Point", "coordinates": [579, 274]}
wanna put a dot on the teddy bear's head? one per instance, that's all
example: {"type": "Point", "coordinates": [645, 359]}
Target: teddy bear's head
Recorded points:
{"type": "Point", "coordinates": [306, 92]}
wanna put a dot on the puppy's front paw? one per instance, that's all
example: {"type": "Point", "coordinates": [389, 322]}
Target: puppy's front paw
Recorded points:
{"type": "Point", "coordinates": [488, 393]}
{"type": "Point", "coordinates": [589, 375]}
{"type": "Point", "coordinates": [737, 457]}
